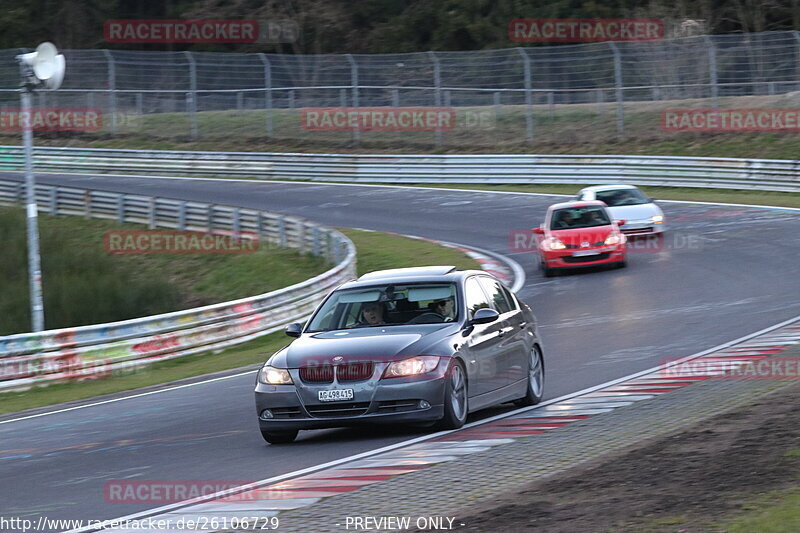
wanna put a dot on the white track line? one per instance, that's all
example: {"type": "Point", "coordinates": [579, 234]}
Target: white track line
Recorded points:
{"type": "Point", "coordinates": [415, 440]}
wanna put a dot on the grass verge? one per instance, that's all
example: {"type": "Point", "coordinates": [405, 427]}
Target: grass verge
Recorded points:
{"type": "Point", "coordinates": [85, 284]}
{"type": "Point", "coordinates": [774, 512]}
{"type": "Point", "coordinates": [376, 251]}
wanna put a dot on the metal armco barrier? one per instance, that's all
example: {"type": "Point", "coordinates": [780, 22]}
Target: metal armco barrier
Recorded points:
{"type": "Point", "coordinates": [96, 351]}
{"type": "Point", "coordinates": [725, 173]}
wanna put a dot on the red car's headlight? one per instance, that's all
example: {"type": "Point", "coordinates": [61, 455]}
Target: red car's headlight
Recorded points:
{"type": "Point", "coordinates": [414, 366]}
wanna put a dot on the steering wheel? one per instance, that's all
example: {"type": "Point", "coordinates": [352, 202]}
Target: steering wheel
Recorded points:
{"type": "Point", "coordinates": [430, 317]}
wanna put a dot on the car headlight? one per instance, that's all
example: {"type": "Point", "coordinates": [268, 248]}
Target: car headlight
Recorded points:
{"type": "Point", "coordinates": [414, 366]}
{"type": "Point", "coordinates": [269, 375]}
{"type": "Point", "coordinates": [554, 244]}
{"type": "Point", "coordinates": [613, 238]}
{"type": "Point", "coordinates": [657, 219]}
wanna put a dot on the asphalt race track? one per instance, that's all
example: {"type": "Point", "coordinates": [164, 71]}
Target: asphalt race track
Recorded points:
{"type": "Point", "coordinates": [723, 272]}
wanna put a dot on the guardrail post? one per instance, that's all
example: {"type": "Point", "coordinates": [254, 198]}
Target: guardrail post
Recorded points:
{"type": "Point", "coordinates": [236, 221]}
{"type": "Point", "coordinates": [315, 241]}
{"type": "Point", "coordinates": [210, 218]}
{"type": "Point", "coordinates": [354, 84]}
{"type": "Point", "coordinates": [54, 201]}
{"type": "Point", "coordinates": [437, 91]}
{"type": "Point", "coordinates": [152, 217]}
{"type": "Point", "coordinates": [267, 91]}
{"type": "Point", "coordinates": [301, 236]}
{"type": "Point", "coordinates": [618, 87]}
{"type": "Point", "coordinates": [260, 226]}
{"type": "Point", "coordinates": [112, 90]}
{"type": "Point", "coordinates": [291, 99]}
{"type": "Point", "coordinates": [21, 192]}
{"type": "Point", "coordinates": [191, 96]}
{"type": "Point", "coordinates": [551, 103]}
{"type": "Point", "coordinates": [526, 72]}
{"type": "Point", "coordinates": [282, 232]}
{"type": "Point", "coordinates": [140, 104]}
{"type": "Point", "coordinates": [342, 97]}
{"type": "Point", "coordinates": [239, 102]}
{"type": "Point", "coordinates": [87, 204]}
{"type": "Point", "coordinates": [182, 216]}
{"type": "Point", "coordinates": [797, 61]}
{"type": "Point", "coordinates": [121, 208]}
{"type": "Point", "coordinates": [712, 70]}
{"type": "Point", "coordinates": [395, 98]}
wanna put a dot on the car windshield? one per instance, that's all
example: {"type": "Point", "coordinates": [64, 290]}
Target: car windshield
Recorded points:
{"type": "Point", "coordinates": [387, 305]}
{"type": "Point", "coordinates": [579, 217]}
{"type": "Point", "coordinates": [618, 197]}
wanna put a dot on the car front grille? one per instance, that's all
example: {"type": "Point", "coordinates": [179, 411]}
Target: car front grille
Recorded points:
{"type": "Point", "coordinates": [397, 406]}
{"type": "Point", "coordinates": [587, 258]}
{"type": "Point", "coordinates": [637, 231]}
{"type": "Point", "coordinates": [593, 245]}
{"type": "Point", "coordinates": [337, 409]}
{"type": "Point", "coordinates": [357, 371]}
{"type": "Point", "coordinates": [317, 374]}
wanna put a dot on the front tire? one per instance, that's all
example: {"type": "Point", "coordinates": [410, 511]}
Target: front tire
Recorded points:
{"type": "Point", "coordinates": [456, 399]}
{"type": "Point", "coordinates": [279, 437]}
{"type": "Point", "coordinates": [535, 390]}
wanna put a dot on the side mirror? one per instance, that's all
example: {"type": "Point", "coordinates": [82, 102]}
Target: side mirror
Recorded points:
{"type": "Point", "coordinates": [293, 330]}
{"type": "Point", "coordinates": [620, 222]}
{"type": "Point", "coordinates": [653, 200]}
{"type": "Point", "coordinates": [484, 316]}
{"type": "Point", "coordinates": [538, 231]}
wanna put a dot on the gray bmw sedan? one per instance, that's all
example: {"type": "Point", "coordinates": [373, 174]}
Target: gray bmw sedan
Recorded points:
{"type": "Point", "coordinates": [409, 345]}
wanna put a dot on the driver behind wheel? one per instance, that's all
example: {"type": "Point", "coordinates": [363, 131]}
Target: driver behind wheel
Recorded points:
{"type": "Point", "coordinates": [373, 313]}
{"type": "Point", "coordinates": [446, 308]}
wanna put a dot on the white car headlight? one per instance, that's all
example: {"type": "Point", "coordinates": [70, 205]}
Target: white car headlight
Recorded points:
{"type": "Point", "coordinates": [554, 244]}
{"type": "Point", "coordinates": [422, 364]}
{"type": "Point", "coordinates": [657, 219]}
{"type": "Point", "coordinates": [269, 375]}
{"type": "Point", "coordinates": [613, 238]}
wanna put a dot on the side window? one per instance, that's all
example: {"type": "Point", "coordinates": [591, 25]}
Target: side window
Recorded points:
{"type": "Point", "coordinates": [474, 296]}
{"type": "Point", "coordinates": [512, 300]}
{"type": "Point", "coordinates": [495, 291]}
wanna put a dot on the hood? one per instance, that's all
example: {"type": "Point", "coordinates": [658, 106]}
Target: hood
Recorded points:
{"type": "Point", "coordinates": [634, 212]}
{"type": "Point", "coordinates": [577, 236]}
{"type": "Point", "coordinates": [390, 343]}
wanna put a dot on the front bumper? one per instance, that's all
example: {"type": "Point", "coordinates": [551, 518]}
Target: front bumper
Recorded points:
{"type": "Point", "coordinates": [566, 258]}
{"type": "Point", "coordinates": [641, 227]}
{"type": "Point", "coordinates": [294, 407]}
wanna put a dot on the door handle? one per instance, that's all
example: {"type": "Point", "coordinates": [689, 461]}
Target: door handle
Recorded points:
{"type": "Point", "coordinates": [522, 324]}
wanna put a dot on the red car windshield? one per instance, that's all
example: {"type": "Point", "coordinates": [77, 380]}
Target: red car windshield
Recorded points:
{"type": "Point", "coordinates": [579, 217]}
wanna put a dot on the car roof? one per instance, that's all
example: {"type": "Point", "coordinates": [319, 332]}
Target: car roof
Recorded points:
{"type": "Point", "coordinates": [615, 187]}
{"type": "Point", "coordinates": [426, 274]}
{"type": "Point", "coordinates": [576, 203]}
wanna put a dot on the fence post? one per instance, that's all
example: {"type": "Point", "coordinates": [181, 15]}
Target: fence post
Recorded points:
{"type": "Point", "coordinates": [121, 208]}
{"type": "Point", "coordinates": [354, 84]}
{"type": "Point", "coordinates": [342, 97]}
{"type": "Point", "coordinates": [618, 87]}
{"type": "Point", "coordinates": [267, 91]}
{"type": "Point", "coordinates": [87, 203]}
{"type": "Point", "coordinates": [395, 98]}
{"type": "Point", "coordinates": [191, 96]}
{"type": "Point", "coordinates": [315, 242]}
{"type": "Point", "coordinates": [182, 216]}
{"type": "Point", "coordinates": [712, 70]}
{"type": "Point", "coordinates": [236, 221]}
{"type": "Point", "coordinates": [797, 61]}
{"type": "Point", "coordinates": [112, 90]}
{"type": "Point", "coordinates": [260, 226]}
{"type": "Point", "coordinates": [437, 93]}
{"type": "Point", "coordinates": [54, 201]}
{"type": "Point", "coordinates": [239, 102]}
{"type": "Point", "coordinates": [140, 104]}
{"type": "Point", "coordinates": [210, 218]}
{"type": "Point", "coordinates": [282, 232]}
{"type": "Point", "coordinates": [152, 212]}
{"type": "Point", "coordinates": [526, 69]}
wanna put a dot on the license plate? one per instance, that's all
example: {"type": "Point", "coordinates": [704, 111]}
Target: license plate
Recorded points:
{"type": "Point", "coordinates": [335, 395]}
{"type": "Point", "coordinates": [584, 253]}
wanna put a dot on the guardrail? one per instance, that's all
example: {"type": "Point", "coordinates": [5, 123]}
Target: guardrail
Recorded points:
{"type": "Point", "coordinates": [98, 350]}
{"type": "Point", "coordinates": [725, 173]}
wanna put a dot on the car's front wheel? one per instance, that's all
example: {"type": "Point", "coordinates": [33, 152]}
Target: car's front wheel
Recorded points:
{"type": "Point", "coordinates": [535, 389]}
{"type": "Point", "coordinates": [279, 437]}
{"type": "Point", "coordinates": [455, 398]}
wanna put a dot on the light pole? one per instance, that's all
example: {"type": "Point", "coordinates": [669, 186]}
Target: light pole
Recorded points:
{"type": "Point", "coordinates": [42, 68]}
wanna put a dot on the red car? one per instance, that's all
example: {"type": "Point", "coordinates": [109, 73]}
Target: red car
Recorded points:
{"type": "Point", "coordinates": [579, 234]}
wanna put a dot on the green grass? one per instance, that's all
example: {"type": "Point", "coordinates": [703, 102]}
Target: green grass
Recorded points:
{"type": "Point", "coordinates": [83, 284]}
{"type": "Point", "coordinates": [775, 512]}
{"type": "Point", "coordinates": [376, 251]}
{"type": "Point", "coordinates": [793, 453]}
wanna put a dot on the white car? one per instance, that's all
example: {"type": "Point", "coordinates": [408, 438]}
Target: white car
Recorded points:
{"type": "Point", "coordinates": [625, 202]}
